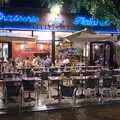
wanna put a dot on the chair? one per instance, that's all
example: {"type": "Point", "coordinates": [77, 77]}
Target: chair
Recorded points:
{"type": "Point", "coordinates": [55, 74]}
{"type": "Point", "coordinates": [29, 73]}
{"type": "Point", "coordinates": [116, 86]}
{"type": "Point", "coordinates": [44, 75]}
{"type": "Point", "coordinates": [11, 90]}
{"type": "Point", "coordinates": [91, 83]}
{"type": "Point", "coordinates": [11, 87]}
{"type": "Point", "coordinates": [67, 92]}
{"type": "Point", "coordinates": [107, 92]}
{"type": "Point", "coordinates": [44, 78]}
{"type": "Point", "coordinates": [117, 93]}
{"type": "Point", "coordinates": [77, 83]}
{"type": "Point", "coordinates": [74, 73]}
{"type": "Point", "coordinates": [107, 82]}
{"type": "Point", "coordinates": [29, 86]}
{"type": "Point", "coordinates": [90, 92]}
{"type": "Point", "coordinates": [67, 74]}
{"type": "Point", "coordinates": [115, 72]}
{"type": "Point", "coordinates": [26, 70]}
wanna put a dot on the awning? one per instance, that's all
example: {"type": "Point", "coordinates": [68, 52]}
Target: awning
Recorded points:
{"type": "Point", "coordinates": [9, 37]}
{"type": "Point", "coordinates": [87, 35]}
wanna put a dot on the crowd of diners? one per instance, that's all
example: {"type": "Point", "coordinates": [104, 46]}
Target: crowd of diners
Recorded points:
{"type": "Point", "coordinates": [32, 61]}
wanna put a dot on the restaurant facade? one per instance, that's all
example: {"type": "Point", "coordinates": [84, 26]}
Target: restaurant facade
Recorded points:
{"type": "Point", "coordinates": [45, 28]}
{"type": "Point", "coordinates": [25, 34]}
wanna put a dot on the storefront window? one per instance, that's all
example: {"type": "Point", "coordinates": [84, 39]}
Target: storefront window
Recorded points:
{"type": "Point", "coordinates": [3, 50]}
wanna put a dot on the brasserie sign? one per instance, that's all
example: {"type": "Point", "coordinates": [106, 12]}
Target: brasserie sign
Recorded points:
{"type": "Point", "coordinates": [16, 18]}
{"type": "Point", "coordinates": [45, 22]}
{"type": "Point", "coordinates": [89, 21]}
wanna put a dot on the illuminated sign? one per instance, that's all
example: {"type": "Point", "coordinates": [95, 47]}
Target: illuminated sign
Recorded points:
{"type": "Point", "coordinates": [87, 21]}
{"type": "Point", "coordinates": [56, 21]}
{"type": "Point", "coordinates": [18, 18]}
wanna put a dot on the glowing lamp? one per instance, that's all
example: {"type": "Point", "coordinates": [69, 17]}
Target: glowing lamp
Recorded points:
{"type": "Point", "coordinates": [22, 46]}
{"type": "Point", "coordinates": [55, 9]}
{"type": "Point", "coordinates": [41, 47]}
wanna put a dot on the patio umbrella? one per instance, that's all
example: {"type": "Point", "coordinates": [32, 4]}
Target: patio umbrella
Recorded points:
{"type": "Point", "coordinates": [79, 39]}
{"type": "Point", "coordinates": [88, 35]}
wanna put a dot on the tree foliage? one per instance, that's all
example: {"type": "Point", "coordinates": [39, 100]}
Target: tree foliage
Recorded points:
{"type": "Point", "coordinates": [3, 2]}
{"type": "Point", "coordinates": [102, 9]}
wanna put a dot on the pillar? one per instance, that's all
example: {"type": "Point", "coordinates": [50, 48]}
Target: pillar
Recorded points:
{"type": "Point", "coordinates": [53, 47]}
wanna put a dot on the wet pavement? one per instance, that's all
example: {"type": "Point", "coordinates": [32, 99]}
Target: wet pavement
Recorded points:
{"type": "Point", "coordinates": [92, 112]}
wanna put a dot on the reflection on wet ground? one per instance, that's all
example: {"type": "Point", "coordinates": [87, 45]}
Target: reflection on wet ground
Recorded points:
{"type": "Point", "coordinates": [94, 112]}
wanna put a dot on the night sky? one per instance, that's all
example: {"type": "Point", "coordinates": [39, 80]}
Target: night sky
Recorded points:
{"type": "Point", "coordinates": [36, 4]}
{"type": "Point", "coordinates": [25, 3]}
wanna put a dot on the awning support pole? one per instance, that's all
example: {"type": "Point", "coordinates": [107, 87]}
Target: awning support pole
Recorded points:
{"type": "Point", "coordinates": [53, 47]}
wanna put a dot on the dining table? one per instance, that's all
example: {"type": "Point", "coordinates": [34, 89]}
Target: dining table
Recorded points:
{"type": "Point", "coordinates": [71, 78]}
{"type": "Point", "coordinates": [11, 75]}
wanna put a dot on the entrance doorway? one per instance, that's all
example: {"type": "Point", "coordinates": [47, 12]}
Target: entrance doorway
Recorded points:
{"type": "Point", "coordinates": [102, 53]}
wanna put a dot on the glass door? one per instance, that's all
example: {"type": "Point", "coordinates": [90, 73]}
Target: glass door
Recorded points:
{"type": "Point", "coordinates": [102, 53]}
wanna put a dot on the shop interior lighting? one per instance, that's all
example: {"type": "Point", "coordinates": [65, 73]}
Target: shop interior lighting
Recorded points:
{"type": "Point", "coordinates": [22, 46]}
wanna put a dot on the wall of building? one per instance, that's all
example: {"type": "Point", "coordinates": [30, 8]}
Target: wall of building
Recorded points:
{"type": "Point", "coordinates": [26, 49]}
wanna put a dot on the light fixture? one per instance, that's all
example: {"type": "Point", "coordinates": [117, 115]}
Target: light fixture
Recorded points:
{"type": "Point", "coordinates": [61, 44]}
{"type": "Point", "coordinates": [22, 46]}
{"type": "Point", "coordinates": [96, 47]}
{"type": "Point", "coordinates": [55, 10]}
{"type": "Point", "coordinates": [41, 47]}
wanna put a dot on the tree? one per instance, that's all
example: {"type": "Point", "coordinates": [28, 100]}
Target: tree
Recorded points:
{"type": "Point", "coordinates": [102, 9]}
{"type": "Point", "coordinates": [3, 2]}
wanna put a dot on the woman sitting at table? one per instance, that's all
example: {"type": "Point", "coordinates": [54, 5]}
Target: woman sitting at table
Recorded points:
{"type": "Point", "coordinates": [20, 64]}
{"type": "Point", "coordinates": [10, 65]}
{"type": "Point", "coordinates": [27, 62]}
{"type": "Point", "coordinates": [66, 61]}
{"type": "Point", "coordinates": [48, 62]}
{"type": "Point", "coordinates": [35, 62]}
